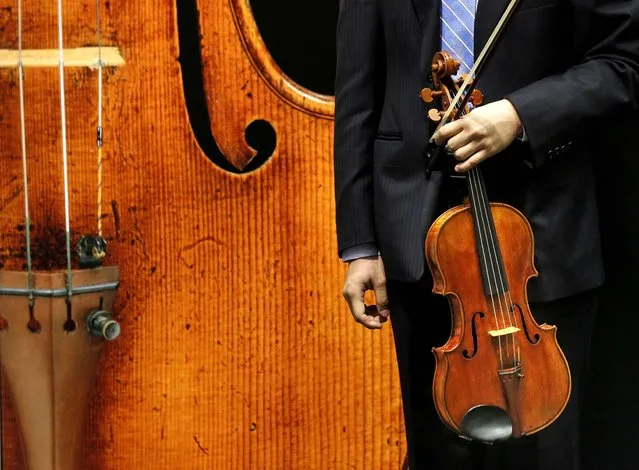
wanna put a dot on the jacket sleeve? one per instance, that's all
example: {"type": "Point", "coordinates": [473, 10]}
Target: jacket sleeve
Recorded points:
{"type": "Point", "coordinates": [563, 108]}
{"type": "Point", "coordinates": [357, 111]}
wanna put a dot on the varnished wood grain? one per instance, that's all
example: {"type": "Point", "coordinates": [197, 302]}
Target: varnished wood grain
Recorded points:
{"type": "Point", "coordinates": [79, 57]}
{"type": "Point", "coordinates": [461, 382]}
{"type": "Point", "coordinates": [51, 373]}
{"type": "Point", "coordinates": [237, 349]}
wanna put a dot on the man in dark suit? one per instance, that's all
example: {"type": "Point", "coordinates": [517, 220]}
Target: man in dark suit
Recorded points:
{"type": "Point", "coordinates": [563, 69]}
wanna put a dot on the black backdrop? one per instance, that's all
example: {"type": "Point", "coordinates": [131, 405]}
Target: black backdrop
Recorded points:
{"type": "Point", "coordinates": [301, 37]}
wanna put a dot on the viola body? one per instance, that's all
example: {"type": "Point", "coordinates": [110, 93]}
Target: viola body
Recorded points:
{"type": "Point", "coordinates": [498, 358]}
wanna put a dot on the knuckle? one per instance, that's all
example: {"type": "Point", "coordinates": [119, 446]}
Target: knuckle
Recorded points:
{"type": "Point", "coordinates": [379, 280]}
{"type": "Point", "coordinates": [348, 290]}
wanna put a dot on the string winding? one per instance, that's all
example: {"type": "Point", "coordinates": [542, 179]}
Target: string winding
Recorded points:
{"type": "Point", "coordinates": [99, 131]}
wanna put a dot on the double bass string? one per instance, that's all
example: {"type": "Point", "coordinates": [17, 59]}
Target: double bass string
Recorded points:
{"type": "Point", "coordinates": [99, 135]}
{"type": "Point", "coordinates": [23, 142]}
{"type": "Point", "coordinates": [64, 156]}
{"type": "Point", "coordinates": [27, 219]}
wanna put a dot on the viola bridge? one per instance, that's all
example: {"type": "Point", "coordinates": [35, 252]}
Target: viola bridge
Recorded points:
{"type": "Point", "coordinates": [504, 331]}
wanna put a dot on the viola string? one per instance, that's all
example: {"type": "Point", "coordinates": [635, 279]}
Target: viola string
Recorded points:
{"type": "Point", "coordinates": [484, 208]}
{"type": "Point", "coordinates": [475, 187]}
{"type": "Point", "coordinates": [483, 219]}
{"type": "Point", "coordinates": [23, 139]}
{"type": "Point", "coordinates": [473, 190]}
{"type": "Point", "coordinates": [507, 296]}
{"type": "Point", "coordinates": [99, 132]}
{"type": "Point", "coordinates": [64, 155]}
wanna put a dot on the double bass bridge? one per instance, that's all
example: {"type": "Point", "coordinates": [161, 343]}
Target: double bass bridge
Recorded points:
{"type": "Point", "coordinates": [53, 324]}
{"type": "Point", "coordinates": [72, 57]}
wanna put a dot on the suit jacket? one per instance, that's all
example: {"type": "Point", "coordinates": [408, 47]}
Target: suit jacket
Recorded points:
{"type": "Point", "coordinates": [569, 67]}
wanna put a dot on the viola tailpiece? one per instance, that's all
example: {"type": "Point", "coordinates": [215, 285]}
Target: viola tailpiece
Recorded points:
{"type": "Point", "coordinates": [500, 375]}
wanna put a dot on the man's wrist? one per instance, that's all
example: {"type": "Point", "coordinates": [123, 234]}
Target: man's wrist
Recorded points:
{"type": "Point", "coordinates": [364, 250]}
{"type": "Point", "coordinates": [521, 131]}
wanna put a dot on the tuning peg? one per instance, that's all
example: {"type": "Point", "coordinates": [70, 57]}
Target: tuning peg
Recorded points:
{"type": "Point", "coordinates": [476, 97]}
{"type": "Point", "coordinates": [91, 251]}
{"type": "Point", "coordinates": [427, 95]}
{"type": "Point", "coordinates": [435, 115]}
{"type": "Point", "coordinates": [101, 324]}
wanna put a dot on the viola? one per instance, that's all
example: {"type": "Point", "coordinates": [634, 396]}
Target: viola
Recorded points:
{"type": "Point", "coordinates": [500, 375]}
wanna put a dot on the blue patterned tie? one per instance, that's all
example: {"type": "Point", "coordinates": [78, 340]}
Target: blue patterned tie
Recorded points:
{"type": "Point", "coordinates": [457, 31]}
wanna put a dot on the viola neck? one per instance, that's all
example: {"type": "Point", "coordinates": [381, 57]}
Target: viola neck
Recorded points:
{"type": "Point", "coordinates": [490, 258]}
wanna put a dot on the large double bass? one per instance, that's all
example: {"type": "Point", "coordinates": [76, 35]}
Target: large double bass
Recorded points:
{"type": "Point", "coordinates": [236, 348]}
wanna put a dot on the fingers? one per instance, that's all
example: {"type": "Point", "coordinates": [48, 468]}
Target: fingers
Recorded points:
{"type": "Point", "coordinates": [468, 140]}
{"type": "Point", "coordinates": [472, 162]}
{"type": "Point", "coordinates": [448, 131]}
{"type": "Point", "coordinates": [367, 316]}
{"type": "Point", "coordinates": [381, 296]}
{"type": "Point", "coordinates": [491, 128]}
{"type": "Point", "coordinates": [362, 276]}
{"type": "Point", "coordinates": [460, 140]}
{"type": "Point", "coordinates": [468, 150]}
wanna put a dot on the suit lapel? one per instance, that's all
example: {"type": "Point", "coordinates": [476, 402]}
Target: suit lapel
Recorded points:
{"type": "Point", "coordinates": [486, 18]}
{"type": "Point", "coordinates": [424, 9]}
{"type": "Point", "coordinates": [428, 12]}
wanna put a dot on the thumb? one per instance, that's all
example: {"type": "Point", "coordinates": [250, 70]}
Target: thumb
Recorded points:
{"type": "Point", "coordinates": [381, 296]}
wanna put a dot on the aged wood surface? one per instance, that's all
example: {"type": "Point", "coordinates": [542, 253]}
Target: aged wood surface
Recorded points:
{"type": "Point", "coordinates": [237, 349]}
{"type": "Point", "coordinates": [467, 369]}
{"type": "Point", "coordinates": [53, 363]}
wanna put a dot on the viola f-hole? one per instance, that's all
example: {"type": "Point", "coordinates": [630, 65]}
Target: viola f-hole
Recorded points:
{"type": "Point", "coordinates": [516, 381]}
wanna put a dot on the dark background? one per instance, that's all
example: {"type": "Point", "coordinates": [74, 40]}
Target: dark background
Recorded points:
{"type": "Point", "coordinates": [301, 37]}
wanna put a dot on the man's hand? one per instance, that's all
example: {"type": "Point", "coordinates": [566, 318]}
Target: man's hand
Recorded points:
{"type": "Point", "coordinates": [364, 274]}
{"type": "Point", "coordinates": [482, 133]}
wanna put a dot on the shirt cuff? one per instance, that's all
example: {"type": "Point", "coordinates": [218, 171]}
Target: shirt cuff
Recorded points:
{"type": "Point", "coordinates": [359, 251]}
{"type": "Point", "coordinates": [523, 137]}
